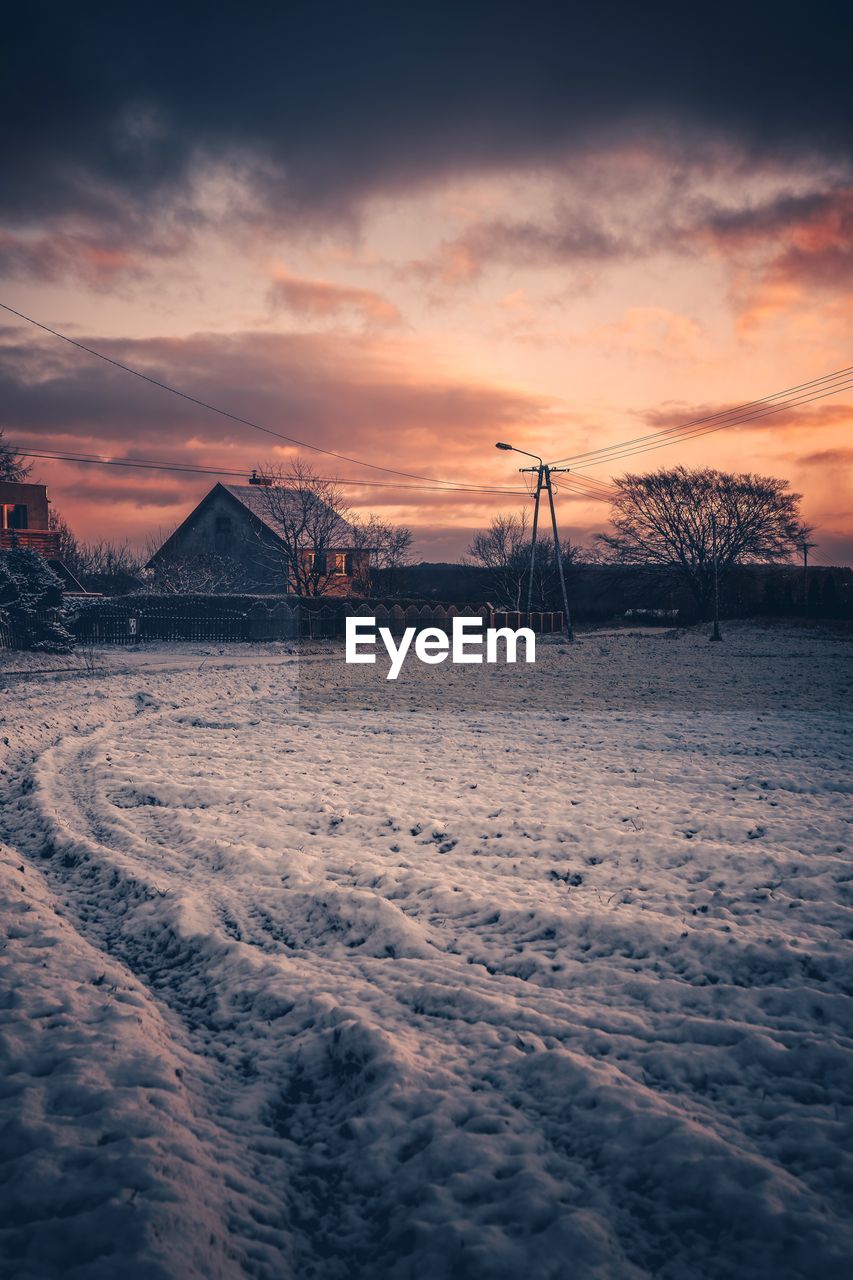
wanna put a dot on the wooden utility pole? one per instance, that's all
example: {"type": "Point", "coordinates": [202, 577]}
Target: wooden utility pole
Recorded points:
{"type": "Point", "coordinates": [805, 575]}
{"type": "Point", "coordinates": [715, 634]}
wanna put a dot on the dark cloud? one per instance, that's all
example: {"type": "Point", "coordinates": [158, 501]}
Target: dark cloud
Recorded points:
{"type": "Point", "coordinates": [805, 239]}
{"type": "Point", "coordinates": [98, 260]}
{"type": "Point", "coordinates": [570, 235]}
{"type": "Point", "coordinates": [111, 487]}
{"type": "Point", "coordinates": [110, 113]}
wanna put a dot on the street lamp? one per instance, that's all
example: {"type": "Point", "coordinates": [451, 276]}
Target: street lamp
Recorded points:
{"type": "Point", "coordinates": [543, 481]}
{"type": "Point", "coordinates": [511, 448]}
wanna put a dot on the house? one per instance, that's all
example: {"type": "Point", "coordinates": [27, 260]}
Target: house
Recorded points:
{"type": "Point", "coordinates": [25, 526]}
{"type": "Point", "coordinates": [24, 519]}
{"type": "Point", "coordinates": [237, 524]}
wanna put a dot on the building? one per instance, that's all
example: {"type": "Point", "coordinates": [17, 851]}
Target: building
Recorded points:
{"type": "Point", "coordinates": [25, 526]}
{"type": "Point", "coordinates": [236, 525]}
{"type": "Point", "coordinates": [24, 519]}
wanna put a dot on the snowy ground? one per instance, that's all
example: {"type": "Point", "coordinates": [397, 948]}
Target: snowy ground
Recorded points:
{"type": "Point", "coordinates": [546, 975]}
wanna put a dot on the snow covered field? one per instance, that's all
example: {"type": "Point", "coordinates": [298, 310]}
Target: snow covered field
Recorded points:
{"type": "Point", "coordinates": [546, 976]}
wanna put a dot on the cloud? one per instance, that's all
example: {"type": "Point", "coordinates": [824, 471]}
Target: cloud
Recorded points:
{"type": "Point", "coordinates": [568, 235]}
{"type": "Point", "coordinates": [350, 393]}
{"type": "Point", "coordinates": [313, 109]}
{"type": "Point", "coordinates": [806, 417]}
{"type": "Point", "coordinates": [53, 257]}
{"type": "Point", "coordinates": [649, 331]}
{"type": "Point", "coordinates": [784, 253]}
{"type": "Point", "coordinates": [317, 299]}
{"type": "Point", "coordinates": [353, 394]}
{"type": "Point", "coordinates": [828, 457]}
{"type": "Point", "coordinates": [100, 260]}
{"type": "Point", "coordinates": [806, 239]}
{"type": "Point", "coordinates": [112, 487]}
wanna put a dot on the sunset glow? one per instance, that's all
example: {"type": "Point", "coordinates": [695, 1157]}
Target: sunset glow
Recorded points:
{"type": "Point", "coordinates": [630, 269]}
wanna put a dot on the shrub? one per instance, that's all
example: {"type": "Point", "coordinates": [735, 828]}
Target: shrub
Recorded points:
{"type": "Point", "coordinates": [31, 602]}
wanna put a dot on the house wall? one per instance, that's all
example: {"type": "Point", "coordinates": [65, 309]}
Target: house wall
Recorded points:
{"type": "Point", "coordinates": [32, 496]}
{"type": "Point", "coordinates": [222, 528]}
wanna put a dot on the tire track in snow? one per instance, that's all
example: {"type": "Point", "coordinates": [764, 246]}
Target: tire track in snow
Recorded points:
{"type": "Point", "coordinates": [462, 1102]}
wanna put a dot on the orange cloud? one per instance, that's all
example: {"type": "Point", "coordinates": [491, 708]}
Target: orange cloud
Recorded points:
{"type": "Point", "coordinates": [788, 252]}
{"type": "Point", "coordinates": [805, 418]}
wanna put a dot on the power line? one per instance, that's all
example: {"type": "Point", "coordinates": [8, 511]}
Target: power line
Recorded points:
{"type": "Point", "coordinates": [814, 382]}
{"type": "Point", "coordinates": [591, 483]}
{"type": "Point", "coordinates": [582, 492]}
{"type": "Point", "coordinates": [224, 413]}
{"type": "Point", "coordinates": [182, 468]}
{"type": "Point", "coordinates": [816, 389]}
{"type": "Point", "coordinates": [693, 435]}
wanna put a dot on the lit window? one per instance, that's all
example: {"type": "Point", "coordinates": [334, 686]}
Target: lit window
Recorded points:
{"type": "Point", "coordinates": [14, 515]}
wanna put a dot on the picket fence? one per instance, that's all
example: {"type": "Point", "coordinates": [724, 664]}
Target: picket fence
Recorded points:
{"type": "Point", "coordinates": [125, 624]}
{"type": "Point", "coordinates": [130, 623]}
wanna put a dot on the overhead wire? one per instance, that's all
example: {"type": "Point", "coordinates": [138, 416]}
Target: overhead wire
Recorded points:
{"type": "Point", "coordinates": [225, 413]}
{"type": "Point", "coordinates": [817, 389]}
{"type": "Point", "coordinates": [764, 406]}
{"type": "Point", "coordinates": [151, 465]}
{"type": "Point", "coordinates": [692, 435]}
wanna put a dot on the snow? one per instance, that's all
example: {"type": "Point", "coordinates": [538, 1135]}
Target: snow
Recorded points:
{"type": "Point", "coordinates": [540, 972]}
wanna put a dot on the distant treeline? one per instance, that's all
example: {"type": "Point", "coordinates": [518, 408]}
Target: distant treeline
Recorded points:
{"type": "Point", "coordinates": [599, 591]}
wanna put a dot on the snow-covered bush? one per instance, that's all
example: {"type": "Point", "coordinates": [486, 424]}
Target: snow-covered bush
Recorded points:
{"type": "Point", "coordinates": [31, 602]}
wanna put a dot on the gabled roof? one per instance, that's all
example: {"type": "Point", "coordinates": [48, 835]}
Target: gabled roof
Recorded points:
{"type": "Point", "coordinates": [252, 497]}
{"type": "Point", "coordinates": [251, 500]}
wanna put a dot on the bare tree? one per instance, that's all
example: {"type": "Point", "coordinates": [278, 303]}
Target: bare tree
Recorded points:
{"type": "Point", "coordinates": [676, 518]}
{"type": "Point", "coordinates": [199, 574]}
{"type": "Point", "coordinates": [12, 465]}
{"type": "Point", "coordinates": [504, 550]}
{"type": "Point", "coordinates": [69, 547]}
{"type": "Point", "coordinates": [379, 548]}
{"type": "Point", "coordinates": [547, 593]}
{"type": "Point", "coordinates": [108, 567]}
{"type": "Point", "coordinates": [311, 517]}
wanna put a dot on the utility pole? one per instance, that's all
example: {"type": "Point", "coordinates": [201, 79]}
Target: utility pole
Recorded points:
{"type": "Point", "coordinates": [543, 481]}
{"type": "Point", "coordinates": [805, 574]}
{"type": "Point", "coordinates": [715, 634]}
{"type": "Point", "coordinates": [533, 540]}
{"type": "Point", "coordinates": [806, 547]}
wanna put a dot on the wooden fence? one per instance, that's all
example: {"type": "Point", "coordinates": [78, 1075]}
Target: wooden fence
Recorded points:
{"type": "Point", "coordinates": [129, 623]}
{"type": "Point", "coordinates": [16, 635]}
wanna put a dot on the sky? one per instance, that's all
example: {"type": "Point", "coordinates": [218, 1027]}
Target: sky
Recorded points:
{"type": "Point", "coordinates": [403, 233]}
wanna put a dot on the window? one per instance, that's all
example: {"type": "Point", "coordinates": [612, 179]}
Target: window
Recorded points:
{"type": "Point", "coordinates": [14, 515]}
{"type": "Point", "coordinates": [222, 533]}
{"type": "Point", "coordinates": [338, 562]}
